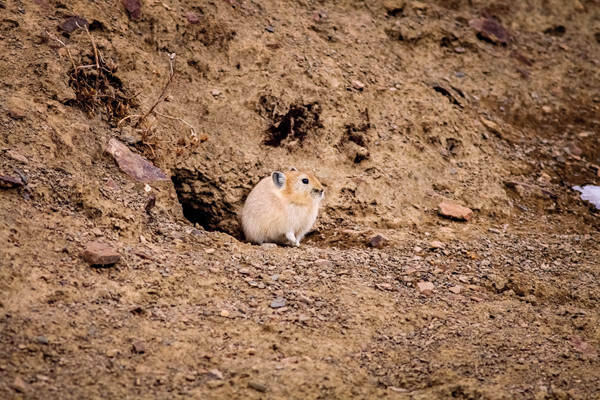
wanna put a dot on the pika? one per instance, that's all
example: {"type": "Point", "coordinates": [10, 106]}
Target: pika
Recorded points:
{"type": "Point", "coordinates": [282, 208]}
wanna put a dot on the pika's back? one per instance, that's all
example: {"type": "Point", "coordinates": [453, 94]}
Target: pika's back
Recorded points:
{"type": "Point", "coordinates": [282, 208]}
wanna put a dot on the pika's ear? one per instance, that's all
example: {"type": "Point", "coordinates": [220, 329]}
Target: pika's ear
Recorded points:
{"type": "Point", "coordinates": [293, 169]}
{"type": "Point", "coordinates": [278, 179]}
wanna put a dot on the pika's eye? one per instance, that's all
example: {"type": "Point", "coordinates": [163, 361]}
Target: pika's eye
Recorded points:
{"type": "Point", "coordinates": [305, 181]}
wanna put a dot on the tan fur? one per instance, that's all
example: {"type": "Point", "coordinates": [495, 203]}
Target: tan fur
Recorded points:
{"type": "Point", "coordinates": [282, 214]}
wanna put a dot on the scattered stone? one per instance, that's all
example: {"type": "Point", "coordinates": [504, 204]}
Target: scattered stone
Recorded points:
{"type": "Point", "coordinates": [7, 182]}
{"type": "Point", "coordinates": [72, 23]}
{"type": "Point", "coordinates": [225, 313]}
{"type": "Point", "coordinates": [16, 113]}
{"type": "Point", "coordinates": [215, 92]}
{"type": "Point", "coordinates": [139, 347]}
{"type": "Point", "coordinates": [377, 242]}
{"type": "Point", "coordinates": [490, 30]}
{"type": "Point", "coordinates": [42, 340]}
{"type": "Point", "coordinates": [214, 383]}
{"type": "Point", "coordinates": [19, 385]}
{"type": "Point", "coordinates": [268, 246]}
{"type": "Point", "coordinates": [270, 29]}
{"type": "Point", "coordinates": [97, 253]}
{"type": "Point", "coordinates": [215, 374]}
{"type": "Point", "coordinates": [244, 271]}
{"type": "Point", "coordinates": [459, 50]}
{"type": "Point", "coordinates": [191, 17]}
{"type": "Point", "coordinates": [456, 289]}
{"type": "Point", "coordinates": [134, 9]}
{"type": "Point", "coordinates": [278, 302]}
{"type": "Point", "coordinates": [112, 353]}
{"type": "Point", "coordinates": [259, 387]}
{"type": "Point", "coordinates": [492, 126]}
{"type": "Point", "coordinates": [16, 156]}
{"type": "Point", "coordinates": [436, 244]}
{"type": "Point", "coordinates": [394, 7]}
{"type": "Point", "coordinates": [425, 288]}
{"type": "Point", "coordinates": [454, 211]}
{"type": "Point", "coordinates": [358, 85]}
{"type": "Point", "coordinates": [133, 164]}
{"type": "Point", "coordinates": [546, 109]}
{"type": "Point", "coordinates": [384, 286]}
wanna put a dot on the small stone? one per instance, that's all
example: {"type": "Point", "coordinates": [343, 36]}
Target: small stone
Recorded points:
{"type": "Point", "coordinates": [191, 17]}
{"type": "Point", "coordinates": [72, 23]}
{"type": "Point", "coordinates": [546, 109]}
{"type": "Point", "coordinates": [215, 92]}
{"type": "Point", "coordinates": [270, 29]}
{"type": "Point", "coordinates": [268, 246]}
{"type": "Point", "coordinates": [425, 288]}
{"type": "Point", "coordinates": [490, 29]}
{"type": "Point", "coordinates": [214, 383]}
{"type": "Point", "coordinates": [225, 313]}
{"type": "Point", "coordinates": [491, 126]}
{"type": "Point", "coordinates": [19, 385]}
{"type": "Point", "coordinates": [16, 156]}
{"type": "Point", "coordinates": [456, 289]}
{"type": "Point", "coordinates": [459, 50]}
{"type": "Point", "coordinates": [384, 286]}
{"type": "Point", "coordinates": [215, 374]}
{"type": "Point", "coordinates": [244, 271]}
{"type": "Point", "coordinates": [454, 211]}
{"type": "Point", "coordinates": [394, 7]}
{"type": "Point", "coordinates": [139, 347]}
{"type": "Point", "coordinates": [377, 242]}
{"type": "Point", "coordinates": [134, 9]}
{"type": "Point", "coordinates": [436, 244]}
{"type": "Point", "coordinates": [97, 253]}
{"type": "Point", "coordinates": [358, 85]}
{"type": "Point", "coordinates": [42, 340]}
{"type": "Point", "coordinates": [112, 353]}
{"type": "Point", "coordinates": [15, 113]}
{"type": "Point", "coordinates": [259, 387]}
{"type": "Point", "coordinates": [10, 182]}
{"type": "Point", "coordinates": [278, 302]}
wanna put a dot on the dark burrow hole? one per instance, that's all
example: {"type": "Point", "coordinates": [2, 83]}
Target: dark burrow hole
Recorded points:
{"type": "Point", "coordinates": [203, 203]}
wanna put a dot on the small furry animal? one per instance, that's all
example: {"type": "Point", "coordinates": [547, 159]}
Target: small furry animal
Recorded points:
{"type": "Point", "coordinates": [282, 208]}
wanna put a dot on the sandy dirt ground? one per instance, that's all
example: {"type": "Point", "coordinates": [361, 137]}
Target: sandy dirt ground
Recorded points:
{"type": "Point", "coordinates": [395, 105]}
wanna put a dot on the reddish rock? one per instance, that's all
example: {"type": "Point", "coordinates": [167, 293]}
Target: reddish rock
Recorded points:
{"type": "Point", "coordinates": [97, 253]}
{"type": "Point", "coordinates": [490, 30]}
{"type": "Point", "coordinates": [72, 23]}
{"type": "Point", "coordinates": [425, 288]}
{"type": "Point", "coordinates": [139, 347]}
{"type": "Point", "coordinates": [454, 211]}
{"type": "Point", "coordinates": [134, 9]}
{"type": "Point", "coordinates": [456, 289]}
{"type": "Point", "coordinates": [133, 164]}
{"type": "Point", "coordinates": [10, 182]}
{"type": "Point", "coordinates": [191, 17]}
